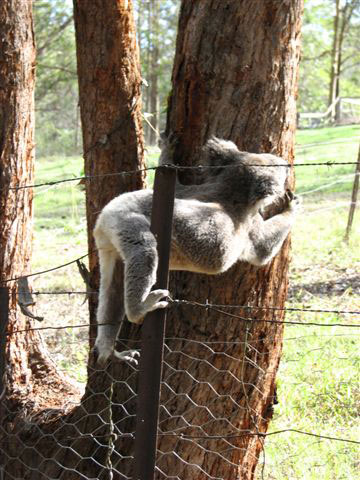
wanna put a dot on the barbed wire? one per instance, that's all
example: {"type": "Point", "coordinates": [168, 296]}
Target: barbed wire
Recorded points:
{"type": "Point", "coordinates": [254, 434]}
{"type": "Point", "coordinates": [177, 167]}
{"type": "Point", "coordinates": [245, 307]}
{"type": "Point", "coordinates": [124, 341]}
{"type": "Point", "coordinates": [341, 179]}
{"type": "Point", "coordinates": [285, 322]}
{"type": "Point", "coordinates": [254, 307]}
{"type": "Point", "coordinates": [331, 142]}
{"type": "Point", "coordinates": [207, 306]}
{"type": "Point", "coordinates": [118, 436]}
{"type": "Point", "coordinates": [7, 280]}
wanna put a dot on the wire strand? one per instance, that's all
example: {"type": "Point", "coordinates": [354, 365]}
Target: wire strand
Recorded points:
{"type": "Point", "coordinates": [177, 167]}
{"type": "Point", "coordinates": [45, 271]}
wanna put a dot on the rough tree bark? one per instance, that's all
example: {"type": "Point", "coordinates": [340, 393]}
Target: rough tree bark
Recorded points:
{"type": "Point", "coordinates": [109, 87]}
{"type": "Point", "coordinates": [48, 432]}
{"type": "Point", "coordinates": [234, 76]}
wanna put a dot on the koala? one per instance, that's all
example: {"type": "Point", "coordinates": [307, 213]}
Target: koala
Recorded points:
{"type": "Point", "coordinates": [215, 225]}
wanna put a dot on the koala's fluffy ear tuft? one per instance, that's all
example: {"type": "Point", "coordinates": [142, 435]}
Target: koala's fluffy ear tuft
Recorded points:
{"type": "Point", "coordinates": [217, 152]}
{"type": "Point", "coordinates": [220, 152]}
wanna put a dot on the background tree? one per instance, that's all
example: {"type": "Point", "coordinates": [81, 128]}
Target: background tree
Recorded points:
{"type": "Point", "coordinates": [40, 436]}
{"type": "Point", "coordinates": [56, 94]}
{"type": "Point", "coordinates": [342, 18]}
{"type": "Point", "coordinates": [110, 110]}
{"type": "Point", "coordinates": [325, 25]}
{"type": "Point", "coordinates": [156, 31]}
{"type": "Point", "coordinates": [26, 360]}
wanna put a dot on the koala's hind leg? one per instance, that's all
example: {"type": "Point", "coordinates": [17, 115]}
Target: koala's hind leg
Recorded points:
{"type": "Point", "coordinates": [110, 308]}
{"type": "Point", "coordinates": [137, 246]}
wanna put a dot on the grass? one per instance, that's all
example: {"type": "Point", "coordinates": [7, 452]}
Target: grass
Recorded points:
{"type": "Point", "coordinates": [318, 383]}
{"type": "Point", "coordinates": [338, 144]}
{"type": "Point", "coordinates": [318, 388]}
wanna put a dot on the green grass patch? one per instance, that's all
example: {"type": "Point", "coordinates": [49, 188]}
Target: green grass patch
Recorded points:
{"type": "Point", "coordinates": [327, 134]}
{"type": "Point", "coordinates": [336, 144]}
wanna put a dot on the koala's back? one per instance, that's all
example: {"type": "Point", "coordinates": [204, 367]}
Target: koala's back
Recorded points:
{"type": "Point", "coordinates": [205, 238]}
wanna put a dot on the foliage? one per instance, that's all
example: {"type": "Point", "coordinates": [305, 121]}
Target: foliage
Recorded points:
{"type": "Point", "coordinates": [56, 94]}
{"type": "Point", "coordinates": [57, 115]}
{"type": "Point", "coordinates": [156, 31]}
{"type": "Point", "coordinates": [317, 38]}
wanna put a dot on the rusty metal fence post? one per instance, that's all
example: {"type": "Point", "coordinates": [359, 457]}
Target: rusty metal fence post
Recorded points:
{"type": "Point", "coordinates": [153, 331]}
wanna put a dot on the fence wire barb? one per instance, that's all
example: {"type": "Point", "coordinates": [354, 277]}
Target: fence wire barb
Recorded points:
{"type": "Point", "coordinates": [46, 271]}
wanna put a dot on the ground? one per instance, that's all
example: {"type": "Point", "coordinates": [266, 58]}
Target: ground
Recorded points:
{"type": "Point", "coordinates": [318, 388]}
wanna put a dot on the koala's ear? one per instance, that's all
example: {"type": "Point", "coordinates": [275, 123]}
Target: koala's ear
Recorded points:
{"type": "Point", "coordinates": [219, 152]}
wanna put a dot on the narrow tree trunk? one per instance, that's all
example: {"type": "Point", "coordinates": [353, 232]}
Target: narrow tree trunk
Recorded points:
{"type": "Point", "coordinates": [66, 440]}
{"type": "Point", "coordinates": [17, 69]}
{"type": "Point", "coordinates": [335, 61]}
{"type": "Point", "coordinates": [153, 77]}
{"type": "Point", "coordinates": [234, 76]}
{"type": "Point", "coordinates": [343, 26]}
{"type": "Point", "coordinates": [354, 196]}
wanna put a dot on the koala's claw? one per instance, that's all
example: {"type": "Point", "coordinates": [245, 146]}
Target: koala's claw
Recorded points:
{"type": "Point", "coordinates": [102, 357]}
{"type": "Point", "coordinates": [292, 201]}
{"type": "Point", "coordinates": [289, 195]}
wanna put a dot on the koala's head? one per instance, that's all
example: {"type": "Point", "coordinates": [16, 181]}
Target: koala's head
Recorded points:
{"type": "Point", "coordinates": [255, 179]}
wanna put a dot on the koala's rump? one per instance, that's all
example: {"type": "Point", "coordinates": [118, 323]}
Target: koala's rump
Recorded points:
{"type": "Point", "coordinates": [204, 238]}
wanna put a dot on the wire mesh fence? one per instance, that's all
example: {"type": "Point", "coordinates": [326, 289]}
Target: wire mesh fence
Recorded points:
{"type": "Point", "coordinates": [203, 393]}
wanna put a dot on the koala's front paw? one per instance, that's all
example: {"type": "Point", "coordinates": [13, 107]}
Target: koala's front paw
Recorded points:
{"type": "Point", "coordinates": [129, 356]}
{"type": "Point", "coordinates": [151, 303]}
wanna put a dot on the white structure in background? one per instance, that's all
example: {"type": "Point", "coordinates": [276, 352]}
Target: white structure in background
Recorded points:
{"type": "Point", "coordinates": [343, 111]}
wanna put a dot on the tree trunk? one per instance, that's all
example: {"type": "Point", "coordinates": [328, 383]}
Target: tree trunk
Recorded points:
{"type": "Point", "coordinates": [154, 72]}
{"type": "Point", "coordinates": [335, 53]}
{"type": "Point", "coordinates": [109, 87]}
{"type": "Point", "coordinates": [343, 27]}
{"type": "Point", "coordinates": [46, 432]}
{"type": "Point", "coordinates": [234, 76]}
{"type": "Point", "coordinates": [354, 196]}
{"type": "Point", "coordinates": [17, 67]}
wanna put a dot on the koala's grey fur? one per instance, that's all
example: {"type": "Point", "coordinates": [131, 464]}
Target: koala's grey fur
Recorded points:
{"type": "Point", "coordinates": [215, 225]}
